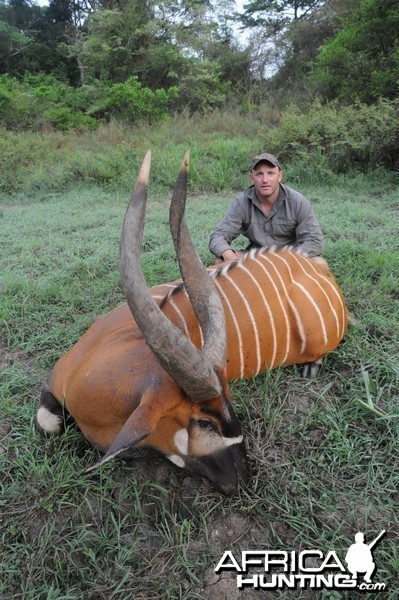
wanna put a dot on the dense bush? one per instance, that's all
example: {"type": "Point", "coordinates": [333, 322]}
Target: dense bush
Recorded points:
{"type": "Point", "coordinates": [132, 102]}
{"type": "Point", "coordinates": [18, 108]}
{"type": "Point", "coordinates": [40, 102]}
{"type": "Point", "coordinates": [339, 138]}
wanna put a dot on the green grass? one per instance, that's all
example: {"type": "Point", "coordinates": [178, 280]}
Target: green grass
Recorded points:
{"type": "Point", "coordinates": [38, 166]}
{"type": "Point", "coordinates": [323, 453]}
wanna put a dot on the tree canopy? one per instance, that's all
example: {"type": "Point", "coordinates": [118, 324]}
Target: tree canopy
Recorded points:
{"type": "Point", "coordinates": [362, 60]}
{"type": "Point", "coordinates": [197, 54]}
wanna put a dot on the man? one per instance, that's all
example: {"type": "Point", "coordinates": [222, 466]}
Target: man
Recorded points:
{"type": "Point", "coordinates": [268, 213]}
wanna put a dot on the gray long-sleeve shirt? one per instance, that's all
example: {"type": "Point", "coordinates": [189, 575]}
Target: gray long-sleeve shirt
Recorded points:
{"type": "Point", "coordinates": [290, 223]}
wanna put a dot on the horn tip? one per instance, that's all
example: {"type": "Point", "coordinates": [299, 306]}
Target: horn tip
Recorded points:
{"type": "Point", "coordinates": [186, 159]}
{"type": "Point", "coordinates": [144, 172]}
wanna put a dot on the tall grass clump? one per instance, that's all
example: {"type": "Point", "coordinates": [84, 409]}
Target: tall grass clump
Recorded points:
{"type": "Point", "coordinates": [35, 164]}
{"type": "Point", "coordinates": [313, 145]}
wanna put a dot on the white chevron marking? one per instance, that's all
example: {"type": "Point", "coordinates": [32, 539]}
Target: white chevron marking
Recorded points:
{"type": "Point", "coordinates": [309, 297]}
{"type": "Point", "coordinates": [298, 319]}
{"type": "Point", "coordinates": [273, 327]}
{"type": "Point", "coordinates": [239, 336]}
{"type": "Point", "coordinates": [252, 319]}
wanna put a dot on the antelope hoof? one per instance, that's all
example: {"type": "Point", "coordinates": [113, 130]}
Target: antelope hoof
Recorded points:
{"type": "Point", "coordinates": [311, 369]}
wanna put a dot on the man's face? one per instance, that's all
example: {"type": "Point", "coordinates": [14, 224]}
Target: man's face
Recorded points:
{"type": "Point", "coordinates": [266, 178]}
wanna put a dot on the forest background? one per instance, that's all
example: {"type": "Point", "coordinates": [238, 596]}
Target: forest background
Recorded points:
{"type": "Point", "coordinates": [316, 79]}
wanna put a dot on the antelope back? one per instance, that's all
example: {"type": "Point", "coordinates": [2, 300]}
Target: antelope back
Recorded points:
{"type": "Point", "coordinates": [280, 307]}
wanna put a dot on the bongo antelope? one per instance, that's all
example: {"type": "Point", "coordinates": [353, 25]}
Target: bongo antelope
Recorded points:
{"type": "Point", "coordinates": [154, 372]}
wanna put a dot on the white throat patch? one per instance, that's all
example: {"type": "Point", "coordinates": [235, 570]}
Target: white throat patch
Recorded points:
{"type": "Point", "coordinates": [180, 440]}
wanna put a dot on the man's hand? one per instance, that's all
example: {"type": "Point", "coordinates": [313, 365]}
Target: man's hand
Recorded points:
{"type": "Point", "coordinates": [229, 255]}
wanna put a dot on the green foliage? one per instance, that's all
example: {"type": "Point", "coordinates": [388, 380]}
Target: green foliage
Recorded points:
{"type": "Point", "coordinates": [362, 61]}
{"type": "Point", "coordinates": [16, 104]}
{"type": "Point", "coordinates": [339, 138]}
{"type": "Point", "coordinates": [11, 37]}
{"type": "Point", "coordinates": [63, 118]}
{"type": "Point", "coordinates": [189, 55]}
{"type": "Point", "coordinates": [41, 101]}
{"type": "Point", "coordinates": [200, 87]}
{"type": "Point", "coordinates": [109, 155]}
{"type": "Point", "coordinates": [32, 38]}
{"type": "Point", "coordinates": [276, 13]}
{"type": "Point", "coordinates": [132, 102]}
{"type": "Point", "coordinates": [151, 45]}
{"type": "Point", "coordinates": [109, 49]}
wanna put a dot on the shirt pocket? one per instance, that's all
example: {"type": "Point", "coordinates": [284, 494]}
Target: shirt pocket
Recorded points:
{"type": "Point", "coordinates": [284, 230]}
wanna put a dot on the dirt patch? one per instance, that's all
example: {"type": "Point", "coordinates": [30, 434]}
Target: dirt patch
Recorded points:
{"type": "Point", "coordinates": [229, 529]}
{"type": "Point", "coordinates": [222, 587]}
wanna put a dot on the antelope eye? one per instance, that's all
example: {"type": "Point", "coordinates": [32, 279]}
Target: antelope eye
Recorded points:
{"type": "Point", "coordinates": [205, 423]}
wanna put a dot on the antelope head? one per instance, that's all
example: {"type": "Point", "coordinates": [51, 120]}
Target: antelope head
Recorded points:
{"type": "Point", "coordinates": [185, 409]}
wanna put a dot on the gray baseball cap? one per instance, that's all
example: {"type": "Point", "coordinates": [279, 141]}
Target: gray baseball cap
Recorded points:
{"type": "Point", "coordinates": [270, 158]}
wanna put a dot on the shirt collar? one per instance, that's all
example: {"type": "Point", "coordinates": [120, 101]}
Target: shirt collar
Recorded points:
{"type": "Point", "coordinates": [251, 194]}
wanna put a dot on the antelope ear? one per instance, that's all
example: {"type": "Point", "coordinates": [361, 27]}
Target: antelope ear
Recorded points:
{"type": "Point", "coordinates": [141, 423]}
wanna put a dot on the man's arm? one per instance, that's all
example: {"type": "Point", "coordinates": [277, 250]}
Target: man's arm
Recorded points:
{"type": "Point", "coordinates": [229, 228]}
{"type": "Point", "coordinates": [309, 237]}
